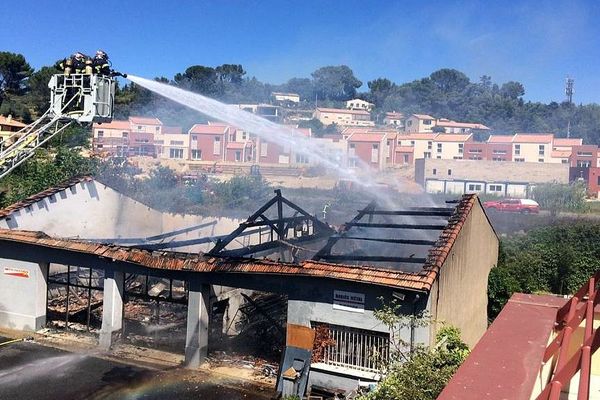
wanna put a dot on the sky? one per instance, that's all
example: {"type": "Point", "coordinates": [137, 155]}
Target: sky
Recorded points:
{"type": "Point", "coordinates": [538, 43]}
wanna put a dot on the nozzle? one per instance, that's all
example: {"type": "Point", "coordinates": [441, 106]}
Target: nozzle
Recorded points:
{"type": "Point", "coordinates": [115, 73]}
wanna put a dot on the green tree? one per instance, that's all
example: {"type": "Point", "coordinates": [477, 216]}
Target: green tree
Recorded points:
{"type": "Point", "coordinates": [335, 83]}
{"type": "Point", "coordinates": [14, 72]}
{"type": "Point", "coordinates": [557, 197]}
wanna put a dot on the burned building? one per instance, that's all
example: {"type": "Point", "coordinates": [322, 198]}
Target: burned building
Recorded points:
{"type": "Point", "coordinates": [426, 259]}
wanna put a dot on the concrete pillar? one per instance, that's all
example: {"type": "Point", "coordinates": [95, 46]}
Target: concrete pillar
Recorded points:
{"type": "Point", "coordinates": [112, 307]}
{"type": "Point", "coordinates": [41, 296]}
{"type": "Point", "coordinates": [196, 340]}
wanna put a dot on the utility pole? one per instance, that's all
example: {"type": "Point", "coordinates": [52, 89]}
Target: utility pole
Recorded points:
{"type": "Point", "coordinates": [569, 90]}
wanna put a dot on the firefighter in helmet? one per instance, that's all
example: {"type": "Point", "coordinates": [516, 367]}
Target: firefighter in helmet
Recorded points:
{"type": "Point", "coordinates": [101, 64]}
{"type": "Point", "coordinates": [75, 64]}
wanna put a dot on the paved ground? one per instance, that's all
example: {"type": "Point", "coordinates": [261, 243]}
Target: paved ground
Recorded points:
{"type": "Point", "coordinates": [32, 371]}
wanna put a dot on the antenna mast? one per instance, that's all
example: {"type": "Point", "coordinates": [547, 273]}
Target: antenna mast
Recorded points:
{"type": "Point", "coordinates": [569, 90]}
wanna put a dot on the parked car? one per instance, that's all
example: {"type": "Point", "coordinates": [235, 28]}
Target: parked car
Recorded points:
{"type": "Point", "coordinates": [524, 206]}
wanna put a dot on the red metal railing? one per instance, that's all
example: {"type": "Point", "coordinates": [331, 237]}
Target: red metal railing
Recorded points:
{"type": "Point", "coordinates": [579, 308]}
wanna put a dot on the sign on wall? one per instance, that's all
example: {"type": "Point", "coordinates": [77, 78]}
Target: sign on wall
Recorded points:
{"type": "Point", "coordinates": [349, 301]}
{"type": "Point", "coordinates": [18, 272]}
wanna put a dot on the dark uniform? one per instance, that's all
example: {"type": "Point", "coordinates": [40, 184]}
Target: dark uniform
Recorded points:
{"type": "Point", "coordinates": [100, 63]}
{"type": "Point", "coordinates": [75, 64]}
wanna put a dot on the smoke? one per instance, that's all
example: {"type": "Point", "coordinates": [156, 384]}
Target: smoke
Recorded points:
{"type": "Point", "coordinates": [271, 132]}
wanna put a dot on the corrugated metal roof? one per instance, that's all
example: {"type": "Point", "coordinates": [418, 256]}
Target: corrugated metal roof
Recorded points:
{"type": "Point", "coordinates": [42, 195]}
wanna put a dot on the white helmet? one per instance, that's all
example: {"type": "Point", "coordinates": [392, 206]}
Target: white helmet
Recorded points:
{"type": "Point", "coordinates": [101, 54]}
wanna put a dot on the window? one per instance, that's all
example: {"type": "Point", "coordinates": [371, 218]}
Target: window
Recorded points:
{"type": "Point", "coordinates": [196, 154]}
{"type": "Point", "coordinates": [125, 135]}
{"type": "Point", "coordinates": [498, 159]}
{"type": "Point", "coordinates": [439, 147]}
{"type": "Point", "coordinates": [157, 129]}
{"type": "Point", "coordinates": [540, 160]}
{"type": "Point", "coordinates": [427, 154]}
{"type": "Point", "coordinates": [564, 161]}
{"type": "Point", "coordinates": [301, 159]}
{"type": "Point", "coordinates": [99, 146]}
{"type": "Point", "coordinates": [474, 187]}
{"type": "Point", "coordinates": [264, 149]}
{"type": "Point", "coordinates": [496, 151]}
{"type": "Point", "coordinates": [412, 143]}
{"type": "Point", "coordinates": [217, 146]}
{"type": "Point", "coordinates": [439, 157]}
{"type": "Point", "coordinates": [449, 172]}
{"type": "Point", "coordinates": [409, 123]}
{"type": "Point", "coordinates": [519, 160]}
{"type": "Point", "coordinates": [427, 122]}
{"type": "Point", "coordinates": [100, 134]}
{"type": "Point", "coordinates": [429, 145]}
{"type": "Point", "coordinates": [474, 151]}
{"type": "Point", "coordinates": [175, 153]}
{"type": "Point", "coordinates": [461, 148]}
{"type": "Point", "coordinates": [434, 171]}
{"type": "Point", "coordinates": [517, 150]}
{"type": "Point", "coordinates": [244, 135]}
{"type": "Point", "coordinates": [238, 156]}
{"type": "Point", "coordinates": [375, 153]}
{"type": "Point", "coordinates": [541, 149]}
{"type": "Point", "coordinates": [139, 127]}
{"type": "Point", "coordinates": [405, 158]}
{"type": "Point", "coordinates": [585, 153]}
{"type": "Point", "coordinates": [176, 142]}
{"type": "Point", "coordinates": [232, 137]}
{"type": "Point", "coordinates": [454, 158]}
{"type": "Point", "coordinates": [495, 188]}
{"type": "Point", "coordinates": [194, 138]}
{"type": "Point", "coordinates": [583, 163]}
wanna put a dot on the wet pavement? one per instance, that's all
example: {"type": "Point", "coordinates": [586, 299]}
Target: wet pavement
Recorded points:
{"type": "Point", "coordinates": [32, 371]}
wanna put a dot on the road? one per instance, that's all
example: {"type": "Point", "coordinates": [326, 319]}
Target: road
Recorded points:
{"type": "Point", "coordinates": [32, 371]}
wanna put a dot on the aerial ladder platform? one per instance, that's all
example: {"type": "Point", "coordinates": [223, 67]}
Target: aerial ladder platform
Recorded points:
{"type": "Point", "coordinates": [76, 98]}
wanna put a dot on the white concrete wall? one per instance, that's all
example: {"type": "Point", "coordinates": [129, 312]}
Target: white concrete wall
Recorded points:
{"type": "Point", "coordinates": [87, 210]}
{"type": "Point", "coordinates": [22, 298]}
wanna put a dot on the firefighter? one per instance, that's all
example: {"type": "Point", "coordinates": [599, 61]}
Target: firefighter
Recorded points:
{"type": "Point", "coordinates": [101, 64]}
{"type": "Point", "coordinates": [326, 209]}
{"type": "Point", "coordinates": [75, 64]}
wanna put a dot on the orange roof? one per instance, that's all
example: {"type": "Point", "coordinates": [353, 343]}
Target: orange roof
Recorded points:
{"type": "Point", "coordinates": [405, 149]}
{"type": "Point", "coordinates": [366, 137]}
{"type": "Point", "coordinates": [500, 139]}
{"type": "Point", "coordinates": [145, 121]}
{"type": "Point", "coordinates": [342, 111]}
{"type": "Point", "coordinates": [533, 138]}
{"type": "Point", "coordinates": [114, 124]}
{"type": "Point", "coordinates": [454, 124]}
{"type": "Point", "coordinates": [417, 136]}
{"type": "Point", "coordinates": [11, 122]}
{"type": "Point", "coordinates": [560, 153]}
{"type": "Point", "coordinates": [449, 137]}
{"type": "Point", "coordinates": [568, 142]}
{"type": "Point", "coordinates": [209, 129]}
{"type": "Point", "coordinates": [422, 116]}
{"type": "Point", "coordinates": [42, 195]}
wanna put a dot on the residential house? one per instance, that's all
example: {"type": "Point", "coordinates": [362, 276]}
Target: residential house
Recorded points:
{"type": "Point", "coordinates": [8, 126]}
{"type": "Point", "coordinates": [459, 127]}
{"type": "Point", "coordinates": [450, 146]}
{"type": "Point", "coordinates": [270, 152]}
{"type": "Point", "coordinates": [208, 142]}
{"type": "Point", "coordinates": [496, 148]}
{"type": "Point", "coordinates": [112, 138]}
{"type": "Point", "coordinates": [285, 98]}
{"type": "Point", "coordinates": [584, 156]}
{"type": "Point", "coordinates": [367, 149]}
{"type": "Point", "coordinates": [394, 119]}
{"type": "Point", "coordinates": [419, 123]}
{"type": "Point", "coordinates": [266, 111]}
{"type": "Point", "coordinates": [329, 116]}
{"type": "Point", "coordinates": [358, 104]}
{"type": "Point", "coordinates": [172, 143]}
{"type": "Point", "coordinates": [532, 147]}
{"type": "Point", "coordinates": [422, 143]}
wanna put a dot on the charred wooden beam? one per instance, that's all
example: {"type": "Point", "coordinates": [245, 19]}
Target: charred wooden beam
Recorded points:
{"type": "Point", "coordinates": [275, 221]}
{"type": "Point", "coordinates": [417, 213]}
{"type": "Point", "coordinates": [417, 242]}
{"type": "Point", "coordinates": [275, 244]}
{"type": "Point", "coordinates": [350, 257]}
{"type": "Point", "coordinates": [395, 226]}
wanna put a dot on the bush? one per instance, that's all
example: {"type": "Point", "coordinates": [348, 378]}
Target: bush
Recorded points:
{"type": "Point", "coordinates": [557, 197]}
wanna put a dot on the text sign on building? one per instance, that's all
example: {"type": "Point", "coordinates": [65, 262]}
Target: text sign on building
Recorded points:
{"type": "Point", "coordinates": [18, 272]}
{"type": "Point", "coordinates": [349, 301]}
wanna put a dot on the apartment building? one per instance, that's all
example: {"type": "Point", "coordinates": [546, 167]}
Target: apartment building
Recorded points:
{"type": "Point", "coordinates": [329, 116]}
{"type": "Point", "coordinates": [422, 143]}
{"type": "Point", "coordinates": [172, 143]}
{"type": "Point", "coordinates": [359, 104]}
{"type": "Point", "coordinates": [426, 123]}
{"type": "Point", "coordinates": [450, 146]}
{"type": "Point", "coordinates": [207, 142]}
{"type": "Point", "coordinates": [266, 111]}
{"type": "Point", "coordinates": [459, 127]}
{"type": "Point", "coordinates": [532, 147]}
